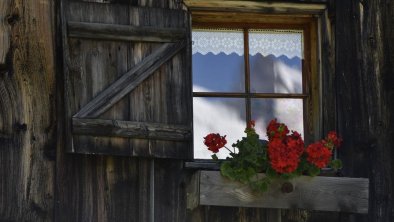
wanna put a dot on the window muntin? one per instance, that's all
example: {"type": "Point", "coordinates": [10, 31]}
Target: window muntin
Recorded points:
{"type": "Point", "coordinates": [272, 86]}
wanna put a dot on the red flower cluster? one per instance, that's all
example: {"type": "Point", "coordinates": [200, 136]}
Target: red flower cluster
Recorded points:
{"type": "Point", "coordinates": [333, 139]}
{"type": "Point", "coordinates": [276, 130]}
{"type": "Point", "coordinates": [285, 152]}
{"type": "Point", "coordinates": [318, 154]}
{"type": "Point", "coordinates": [214, 142]}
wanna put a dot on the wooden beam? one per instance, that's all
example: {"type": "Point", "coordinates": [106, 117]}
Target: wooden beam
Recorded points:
{"type": "Point", "coordinates": [124, 32]}
{"type": "Point", "coordinates": [130, 80]}
{"type": "Point", "coordinates": [312, 193]}
{"type": "Point", "coordinates": [254, 6]}
{"type": "Point", "coordinates": [142, 130]}
{"type": "Point", "coordinates": [242, 19]}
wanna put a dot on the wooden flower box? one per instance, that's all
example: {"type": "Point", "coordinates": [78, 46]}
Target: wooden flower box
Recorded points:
{"type": "Point", "coordinates": [320, 193]}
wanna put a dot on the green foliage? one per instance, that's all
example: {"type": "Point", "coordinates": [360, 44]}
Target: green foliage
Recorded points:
{"type": "Point", "coordinates": [250, 160]}
{"type": "Point", "coordinates": [214, 157]}
{"type": "Point", "coordinates": [336, 164]}
{"type": "Point", "coordinates": [313, 171]}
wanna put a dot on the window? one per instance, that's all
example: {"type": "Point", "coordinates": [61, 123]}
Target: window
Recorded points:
{"type": "Point", "coordinates": [246, 71]}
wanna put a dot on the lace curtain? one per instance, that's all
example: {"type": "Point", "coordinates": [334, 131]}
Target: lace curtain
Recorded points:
{"type": "Point", "coordinates": [265, 42]}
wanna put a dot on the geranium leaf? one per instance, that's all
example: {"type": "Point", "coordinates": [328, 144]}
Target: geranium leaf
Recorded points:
{"type": "Point", "coordinates": [336, 164]}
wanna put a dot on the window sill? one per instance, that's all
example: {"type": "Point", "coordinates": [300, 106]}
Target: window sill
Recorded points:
{"type": "Point", "coordinates": [320, 193]}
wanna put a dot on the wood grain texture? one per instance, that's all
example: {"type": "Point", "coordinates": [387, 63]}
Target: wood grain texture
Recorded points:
{"type": "Point", "coordinates": [5, 20]}
{"type": "Point", "coordinates": [92, 66]}
{"type": "Point", "coordinates": [255, 6]}
{"type": "Point", "coordinates": [142, 130]}
{"type": "Point", "coordinates": [364, 41]}
{"type": "Point", "coordinates": [130, 80]}
{"type": "Point", "coordinates": [328, 89]}
{"type": "Point", "coordinates": [113, 188]}
{"type": "Point", "coordinates": [103, 188]}
{"type": "Point", "coordinates": [246, 18]}
{"type": "Point", "coordinates": [318, 193]}
{"type": "Point", "coordinates": [124, 32]}
{"type": "Point", "coordinates": [167, 4]}
{"type": "Point", "coordinates": [27, 105]}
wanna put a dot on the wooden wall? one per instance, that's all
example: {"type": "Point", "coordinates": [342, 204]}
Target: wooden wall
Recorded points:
{"type": "Point", "coordinates": [40, 182]}
{"type": "Point", "coordinates": [364, 81]}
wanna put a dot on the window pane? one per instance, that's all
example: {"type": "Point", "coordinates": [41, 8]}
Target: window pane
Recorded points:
{"type": "Point", "coordinates": [287, 111]}
{"type": "Point", "coordinates": [218, 63]}
{"type": "Point", "coordinates": [225, 116]}
{"type": "Point", "coordinates": [275, 61]}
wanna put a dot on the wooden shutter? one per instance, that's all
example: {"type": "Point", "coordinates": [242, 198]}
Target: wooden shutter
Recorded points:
{"type": "Point", "coordinates": [127, 80]}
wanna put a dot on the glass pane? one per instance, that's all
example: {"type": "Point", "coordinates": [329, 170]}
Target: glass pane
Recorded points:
{"type": "Point", "coordinates": [218, 62]}
{"type": "Point", "coordinates": [225, 116]}
{"type": "Point", "coordinates": [275, 61]}
{"type": "Point", "coordinates": [288, 111]}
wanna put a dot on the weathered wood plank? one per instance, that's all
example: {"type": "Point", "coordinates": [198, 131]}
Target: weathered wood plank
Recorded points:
{"type": "Point", "coordinates": [243, 18]}
{"type": "Point", "coordinates": [328, 75]}
{"type": "Point", "coordinates": [92, 65]}
{"type": "Point", "coordinates": [130, 80]}
{"type": "Point", "coordinates": [159, 98]}
{"type": "Point", "coordinates": [165, 96]}
{"type": "Point", "coordinates": [5, 30]}
{"type": "Point", "coordinates": [318, 193]}
{"type": "Point", "coordinates": [170, 191]}
{"type": "Point", "coordinates": [193, 191]}
{"type": "Point", "coordinates": [274, 215]}
{"type": "Point", "coordinates": [103, 188]}
{"type": "Point", "coordinates": [255, 6]}
{"type": "Point", "coordinates": [124, 32]}
{"type": "Point", "coordinates": [27, 104]}
{"type": "Point", "coordinates": [78, 11]}
{"type": "Point", "coordinates": [142, 130]}
{"type": "Point", "coordinates": [173, 4]}
{"type": "Point", "coordinates": [364, 63]}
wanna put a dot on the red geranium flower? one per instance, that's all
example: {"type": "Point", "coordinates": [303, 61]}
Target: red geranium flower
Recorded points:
{"type": "Point", "coordinates": [285, 154]}
{"type": "Point", "coordinates": [276, 130]}
{"type": "Point", "coordinates": [318, 154]}
{"type": "Point", "coordinates": [214, 141]}
{"type": "Point", "coordinates": [295, 142]}
{"type": "Point", "coordinates": [333, 138]}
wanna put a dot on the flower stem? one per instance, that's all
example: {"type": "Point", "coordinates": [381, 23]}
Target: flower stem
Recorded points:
{"type": "Point", "coordinates": [229, 149]}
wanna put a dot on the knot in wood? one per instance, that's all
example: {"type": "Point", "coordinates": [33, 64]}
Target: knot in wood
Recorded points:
{"type": "Point", "coordinates": [20, 127]}
{"type": "Point", "coordinates": [287, 187]}
{"type": "Point", "coordinates": [12, 19]}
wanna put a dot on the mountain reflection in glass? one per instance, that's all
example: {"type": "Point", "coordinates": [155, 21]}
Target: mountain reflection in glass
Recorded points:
{"type": "Point", "coordinates": [275, 61]}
